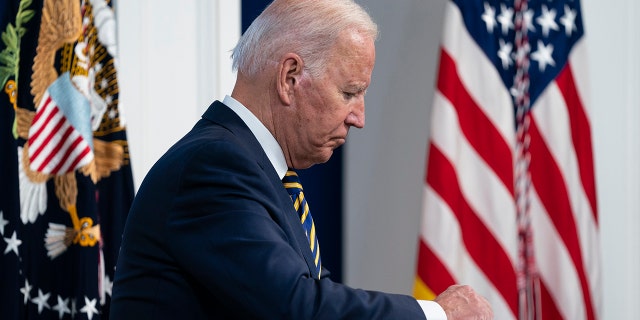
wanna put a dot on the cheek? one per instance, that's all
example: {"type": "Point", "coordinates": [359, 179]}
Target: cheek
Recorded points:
{"type": "Point", "coordinates": [313, 105]}
{"type": "Point", "coordinates": [322, 111]}
{"type": "Point", "coordinates": [332, 122]}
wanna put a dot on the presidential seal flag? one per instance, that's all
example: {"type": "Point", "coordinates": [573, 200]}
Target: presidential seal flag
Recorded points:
{"type": "Point", "coordinates": [509, 196]}
{"type": "Point", "coordinates": [65, 176]}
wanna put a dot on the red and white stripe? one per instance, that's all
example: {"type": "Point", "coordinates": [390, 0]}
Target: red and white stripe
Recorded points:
{"type": "Point", "coordinates": [55, 146]}
{"type": "Point", "coordinates": [469, 232]}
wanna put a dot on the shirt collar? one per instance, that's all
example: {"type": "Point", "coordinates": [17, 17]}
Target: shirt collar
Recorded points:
{"type": "Point", "coordinates": [265, 138]}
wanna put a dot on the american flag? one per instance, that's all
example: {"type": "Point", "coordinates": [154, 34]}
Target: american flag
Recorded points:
{"type": "Point", "coordinates": [509, 196]}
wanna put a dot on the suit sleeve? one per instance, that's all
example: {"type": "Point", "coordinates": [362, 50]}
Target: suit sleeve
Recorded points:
{"type": "Point", "coordinates": [242, 255]}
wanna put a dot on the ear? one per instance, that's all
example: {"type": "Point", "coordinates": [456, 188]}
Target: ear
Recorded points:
{"type": "Point", "coordinates": [289, 74]}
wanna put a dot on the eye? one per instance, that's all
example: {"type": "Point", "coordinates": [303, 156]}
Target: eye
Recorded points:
{"type": "Point", "coordinates": [348, 95]}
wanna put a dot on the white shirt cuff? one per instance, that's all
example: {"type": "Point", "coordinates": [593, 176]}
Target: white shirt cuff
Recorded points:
{"type": "Point", "coordinates": [432, 310]}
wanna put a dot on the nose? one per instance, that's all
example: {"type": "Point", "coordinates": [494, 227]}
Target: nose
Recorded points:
{"type": "Point", "coordinates": [356, 116]}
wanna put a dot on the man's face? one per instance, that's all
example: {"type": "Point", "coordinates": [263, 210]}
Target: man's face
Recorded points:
{"type": "Point", "coordinates": [328, 105]}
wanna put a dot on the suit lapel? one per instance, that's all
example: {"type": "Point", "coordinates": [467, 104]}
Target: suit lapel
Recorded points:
{"type": "Point", "coordinates": [289, 219]}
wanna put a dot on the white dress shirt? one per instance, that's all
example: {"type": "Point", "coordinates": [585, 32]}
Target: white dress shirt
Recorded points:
{"type": "Point", "coordinates": [432, 310]}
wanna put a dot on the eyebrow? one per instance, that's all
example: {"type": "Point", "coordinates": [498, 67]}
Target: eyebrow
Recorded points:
{"type": "Point", "coordinates": [357, 87]}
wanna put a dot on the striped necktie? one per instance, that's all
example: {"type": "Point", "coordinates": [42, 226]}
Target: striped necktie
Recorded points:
{"type": "Point", "coordinates": [293, 186]}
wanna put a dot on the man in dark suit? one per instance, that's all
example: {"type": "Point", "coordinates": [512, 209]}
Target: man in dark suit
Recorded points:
{"type": "Point", "coordinates": [213, 233]}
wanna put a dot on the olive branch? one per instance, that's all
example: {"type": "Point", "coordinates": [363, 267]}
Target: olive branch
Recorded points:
{"type": "Point", "coordinates": [11, 37]}
{"type": "Point", "coordinates": [10, 56]}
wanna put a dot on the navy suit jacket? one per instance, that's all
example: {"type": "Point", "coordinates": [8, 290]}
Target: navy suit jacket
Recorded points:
{"type": "Point", "coordinates": [212, 234]}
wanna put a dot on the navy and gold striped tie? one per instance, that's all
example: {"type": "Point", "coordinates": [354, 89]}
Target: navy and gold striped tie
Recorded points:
{"type": "Point", "coordinates": [293, 186]}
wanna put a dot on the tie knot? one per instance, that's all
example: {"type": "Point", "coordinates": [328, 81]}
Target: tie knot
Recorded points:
{"type": "Point", "coordinates": [292, 182]}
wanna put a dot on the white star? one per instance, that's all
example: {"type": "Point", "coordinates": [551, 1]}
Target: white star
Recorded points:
{"type": "Point", "coordinates": [104, 83]}
{"type": "Point", "coordinates": [489, 17]}
{"type": "Point", "coordinates": [569, 20]}
{"type": "Point", "coordinates": [3, 223]}
{"type": "Point", "coordinates": [112, 114]}
{"type": "Point", "coordinates": [12, 244]}
{"type": "Point", "coordinates": [108, 99]}
{"type": "Point", "coordinates": [528, 20]}
{"type": "Point", "coordinates": [62, 307]}
{"type": "Point", "coordinates": [505, 54]}
{"type": "Point", "coordinates": [543, 55]}
{"type": "Point", "coordinates": [547, 20]}
{"type": "Point", "coordinates": [506, 18]}
{"type": "Point", "coordinates": [89, 307]}
{"type": "Point", "coordinates": [108, 285]}
{"type": "Point", "coordinates": [26, 291]}
{"type": "Point", "coordinates": [41, 301]}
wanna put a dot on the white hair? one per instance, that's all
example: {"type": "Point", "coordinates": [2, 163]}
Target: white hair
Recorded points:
{"type": "Point", "coordinates": [308, 28]}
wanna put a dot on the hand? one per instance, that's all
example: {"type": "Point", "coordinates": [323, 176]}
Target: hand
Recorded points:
{"type": "Point", "coordinates": [461, 302]}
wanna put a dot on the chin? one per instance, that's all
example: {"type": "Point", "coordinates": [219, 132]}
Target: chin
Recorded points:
{"type": "Point", "coordinates": [322, 158]}
{"type": "Point", "coordinates": [326, 157]}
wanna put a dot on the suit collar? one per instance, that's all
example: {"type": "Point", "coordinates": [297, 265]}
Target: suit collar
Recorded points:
{"type": "Point", "coordinates": [267, 141]}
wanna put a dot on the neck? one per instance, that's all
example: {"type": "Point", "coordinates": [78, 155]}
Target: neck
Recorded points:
{"type": "Point", "coordinates": [254, 95]}
{"type": "Point", "coordinates": [258, 94]}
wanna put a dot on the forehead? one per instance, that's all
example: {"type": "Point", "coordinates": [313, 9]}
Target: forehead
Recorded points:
{"type": "Point", "coordinates": [354, 44]}
{"type": "Point", "coordinates": [353, 56]}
